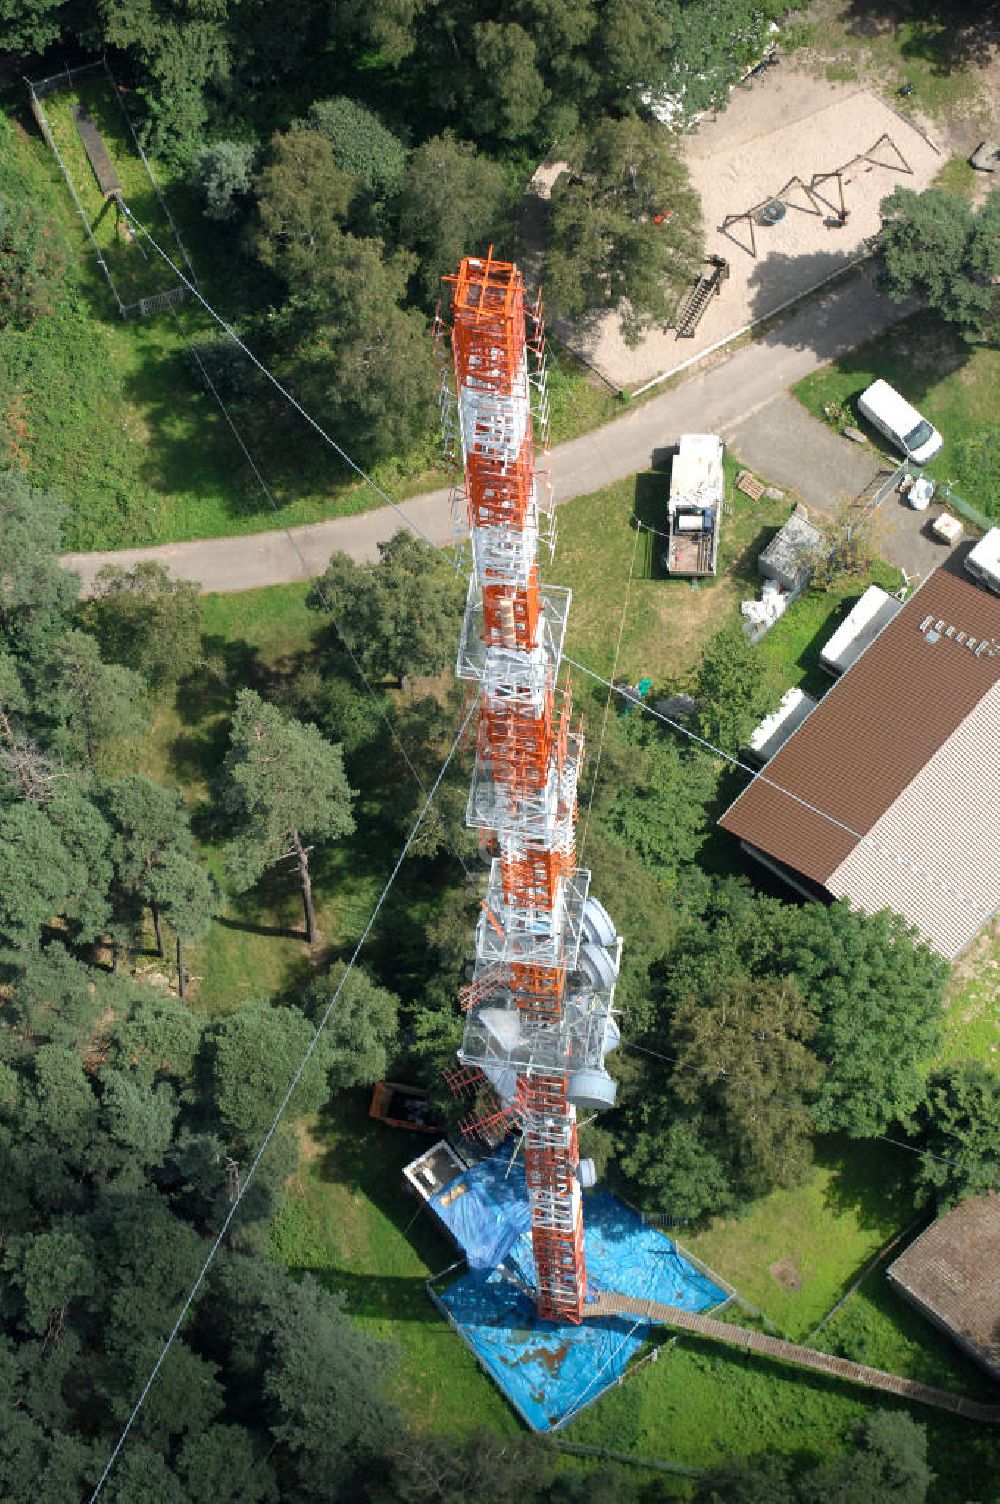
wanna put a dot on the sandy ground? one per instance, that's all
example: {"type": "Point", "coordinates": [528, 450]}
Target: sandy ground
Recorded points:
{"type": "Point", "coordinates": [784, 124]}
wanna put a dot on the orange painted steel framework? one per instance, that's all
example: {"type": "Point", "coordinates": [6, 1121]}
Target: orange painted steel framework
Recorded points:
{"type": "Point", "coordinates": [538, 1009]}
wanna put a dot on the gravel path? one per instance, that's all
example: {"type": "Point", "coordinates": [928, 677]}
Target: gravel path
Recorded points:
{"type": "Point", "coordinates": [720, 399]}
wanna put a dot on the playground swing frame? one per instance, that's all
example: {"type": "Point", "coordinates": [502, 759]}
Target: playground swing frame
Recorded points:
{"type": "Point", "coordinates": [820, 179]}
{"type": "Point", "coordinates": [820, 203]}
{"type": "Point", "coordinates": [749, 214]}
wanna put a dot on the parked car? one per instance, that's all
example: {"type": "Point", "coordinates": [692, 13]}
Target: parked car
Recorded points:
{"type": "Point", "coordinates": [901, 424]}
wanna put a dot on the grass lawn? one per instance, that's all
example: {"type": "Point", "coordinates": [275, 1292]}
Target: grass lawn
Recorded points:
{"type": "Point", "coordinates": [668, 622]}
{"type": "Point", "coordinates": [255, 945]}
{"type": "Point", "coordinates": [797, 1251]}
{"type": "Point", "coordinates": [972, 1020]}
{"type": "Point", "coordinates": [349, 1221]}
{"type": "Point", "coordinates": [136, 271]}
{"type": "Point", "coordinates": [952, 383]}
{"type": "Point", "coordinates": [881, 46]}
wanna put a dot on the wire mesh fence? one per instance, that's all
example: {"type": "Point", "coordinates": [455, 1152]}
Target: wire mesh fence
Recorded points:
{"type": "Point", "coordinates": [63, 81]}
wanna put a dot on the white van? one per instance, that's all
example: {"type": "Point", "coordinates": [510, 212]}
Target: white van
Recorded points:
{"type": "Point", "coordinates": [902, 425]}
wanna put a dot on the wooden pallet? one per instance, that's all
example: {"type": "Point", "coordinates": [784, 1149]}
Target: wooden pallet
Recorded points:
{"type": "Point", "coordinates": [751, 487]}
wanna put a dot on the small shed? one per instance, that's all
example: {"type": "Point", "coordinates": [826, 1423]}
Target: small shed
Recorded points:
{"type": "Point", "coordinates": [789, 558]}
{"type": "Point", "coordinates": [951, 1273]}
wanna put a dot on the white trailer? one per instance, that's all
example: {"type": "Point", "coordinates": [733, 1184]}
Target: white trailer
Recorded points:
{"type": "Point", "coordinates": [694, 507]}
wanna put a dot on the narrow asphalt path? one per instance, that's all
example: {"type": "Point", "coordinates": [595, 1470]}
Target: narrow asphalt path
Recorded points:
{"type": "Point", "coordinates": [713, 400]}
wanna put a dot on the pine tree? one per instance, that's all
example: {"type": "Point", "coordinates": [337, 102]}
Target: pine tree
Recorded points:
{"type": "Point", "coordinates": [283, 785]}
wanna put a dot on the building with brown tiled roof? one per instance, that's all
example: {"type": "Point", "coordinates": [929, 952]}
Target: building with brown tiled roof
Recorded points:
{"type": "Point", "coordinates": [887, 794]}
{"type": "Point", "coordinates": [952, 1274]}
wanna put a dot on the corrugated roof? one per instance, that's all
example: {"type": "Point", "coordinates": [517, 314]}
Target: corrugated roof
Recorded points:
{"type": "Point", "coordinates": [951, 792]}
{"type": "Point", "coordinates": [873, 733]}
{"type": "Point", "coordinates": [953, 1271]}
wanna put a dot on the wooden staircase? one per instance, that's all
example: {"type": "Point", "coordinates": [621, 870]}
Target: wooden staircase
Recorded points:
{"type": "Point", "coordinates": [609, 1304]}
{"type": "Point", "coordinates": [696, 301]}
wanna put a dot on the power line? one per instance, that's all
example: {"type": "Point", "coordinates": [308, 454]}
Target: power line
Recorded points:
{"type": "Point", "coordinates": [307, 1055]}
{"type": "Point", "coordinates": [882, 851]}
{"type": "Point", "coordinates": [607, 702]}
{"type": "Point", "coordinates": [317, 583]}
{"type": "Point", "coordinates": [787, 1102]}
{"type": "Point", "coordinates": [358, 469]}
{"type": "Point", "coordinates": [710, 747]}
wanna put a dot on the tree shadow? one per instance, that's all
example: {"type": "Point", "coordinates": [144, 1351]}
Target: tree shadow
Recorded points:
{"type": "Point", "coordinates": [650, 511]}
{"type": "Point", "coordinates": [246, 926]}
{"type": "Point", "coordinates": [777, 277]}
{"type": "Point", "coordinates": [190, 449]}
{"type": "Point", "coordinates": [946, 35]}
{"type": "Point", "coordinates": [743, 566]}
{"type": "Point", "coordinates": [387, 1297]}
{"type": "Point", "coordinates": [871, 1180]}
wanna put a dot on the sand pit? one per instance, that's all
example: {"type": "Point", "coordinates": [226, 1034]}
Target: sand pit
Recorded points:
{"type": "Point", "coordinates": [780, 128]}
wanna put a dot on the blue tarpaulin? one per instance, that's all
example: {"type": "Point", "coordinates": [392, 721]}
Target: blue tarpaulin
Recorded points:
{"type": "Point", "coordinates": [486, 1210]}
{"type": "Point", "coordinates": [549, 1371]}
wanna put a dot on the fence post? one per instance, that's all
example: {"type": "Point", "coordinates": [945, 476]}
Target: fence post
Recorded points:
{"type": "Point", "coordinates": [41, 120]}
{"type": "Point", "coordinates": [149, 170]}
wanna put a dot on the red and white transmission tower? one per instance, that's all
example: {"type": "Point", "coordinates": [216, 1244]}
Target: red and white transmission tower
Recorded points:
{"type": "Point", "coordinates": [538, 1010]}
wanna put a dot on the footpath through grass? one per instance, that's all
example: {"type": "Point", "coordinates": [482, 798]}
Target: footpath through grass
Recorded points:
{"type": "Point", "coordinates": [954, 384]}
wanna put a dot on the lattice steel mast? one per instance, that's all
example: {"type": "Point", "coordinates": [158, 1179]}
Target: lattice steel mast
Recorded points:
{"type": "Point", "coordinates": [538, 1019]}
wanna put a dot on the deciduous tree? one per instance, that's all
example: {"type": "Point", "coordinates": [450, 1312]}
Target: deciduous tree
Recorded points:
{"type": "Point", "coordinates": [400, 616]}
{"type": "Point", "coordinates": [302, 197]}
{"type": "Point", "coordinates": [936, 247]}
{"type": "Point", "coordinates": [877, 992]}
{"type": "Point", "coordinates": [362, 1026]}
{"type": "Point", "coordinates": [888, 1462]}
{"type": "Point", "coordinates": [959, 1125]}
{"type": "Point", "coordinates": [147, 620]}
{"type": "Point", "coordinates": [743, 1049]}
{"type": "Point", "coordinates": [362, 145]}
{"type": "Point", "coordinates": [454, 202]}
{"type": "Point", "coordinates": [626, 227]}
{"type": "Point", "coordinates": [283, 785]}
{"type": "Point", "coordinates": [675, 1165]}
{"type": "Point", "coordinates": [733, 689]}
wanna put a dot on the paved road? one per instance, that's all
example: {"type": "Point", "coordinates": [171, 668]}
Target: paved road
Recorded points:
{"type": "Point", "coordinates": [791, 447]}
{"type": "Point", "coordinates": [713, 400]}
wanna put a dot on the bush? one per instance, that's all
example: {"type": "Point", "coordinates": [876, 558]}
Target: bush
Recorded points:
{"type": "Point", "coordinates": [32, 260]}
{"type": "Point", "coordinates": [362, 145]}
{"type": "Point", "coordinates": [223, 174]}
